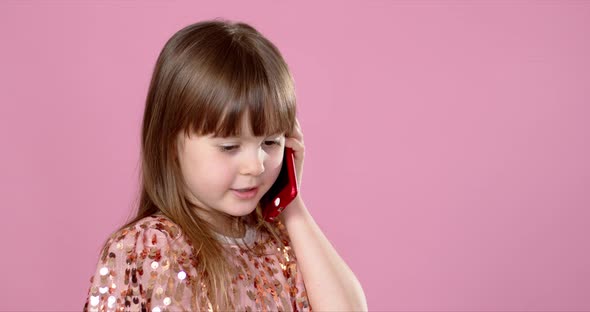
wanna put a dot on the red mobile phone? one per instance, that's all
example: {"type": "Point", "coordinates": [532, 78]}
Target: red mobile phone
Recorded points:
{"type": "Point", "coordinates": [283, 191]}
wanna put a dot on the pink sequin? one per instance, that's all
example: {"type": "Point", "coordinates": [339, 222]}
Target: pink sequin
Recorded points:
{"type": "Point", "coordinates": [149, 267]}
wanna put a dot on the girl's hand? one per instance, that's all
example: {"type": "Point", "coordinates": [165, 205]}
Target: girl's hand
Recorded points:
{"type": "Point", "coordinates": [295, 141]}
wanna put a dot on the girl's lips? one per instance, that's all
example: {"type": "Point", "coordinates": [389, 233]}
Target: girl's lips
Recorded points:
{"type": "Point", "coordinates": [246, 195]}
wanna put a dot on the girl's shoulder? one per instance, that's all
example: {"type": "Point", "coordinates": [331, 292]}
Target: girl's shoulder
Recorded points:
{"type": "Point", "coordinates": [266, 243]}
{"type": "Point", "coordinates": [151, 232]}
{"type": "Point", "coordinates": [282, 233]}
{"type": "Point", "coordinates": [154, 224]}
{"type": "Point", "coordinates": [146, 262]}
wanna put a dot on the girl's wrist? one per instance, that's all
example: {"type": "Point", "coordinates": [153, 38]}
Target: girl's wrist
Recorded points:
{"type": "Point", "coordinates": [294, 211]}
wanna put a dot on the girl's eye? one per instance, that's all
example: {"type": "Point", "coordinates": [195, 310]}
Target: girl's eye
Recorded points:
{"type": "Point", "coordinates": [230, 148]}
{"type": "Point", "coordinates": [273, 142]}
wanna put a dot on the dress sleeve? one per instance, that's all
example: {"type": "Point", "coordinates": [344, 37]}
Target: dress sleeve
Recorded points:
{"type": "Point", "coordinates": [139, 271]}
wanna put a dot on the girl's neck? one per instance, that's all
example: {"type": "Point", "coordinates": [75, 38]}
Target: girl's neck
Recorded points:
{"type": "Point", "coordinates": [235, 229]}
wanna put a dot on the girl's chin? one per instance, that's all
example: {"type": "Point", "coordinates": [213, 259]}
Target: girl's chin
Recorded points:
{"type": "Point", "coordinates": [243, 209]}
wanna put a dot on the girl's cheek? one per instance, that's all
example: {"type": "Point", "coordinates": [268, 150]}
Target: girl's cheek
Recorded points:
{"type": "Point", "coordinates": [223, 169]}
{"type": "Point", "coordinates": [276, 161]}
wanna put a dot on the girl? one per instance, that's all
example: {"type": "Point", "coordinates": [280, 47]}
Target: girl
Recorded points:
{"type": "Point", "coordinates": [219, 113]}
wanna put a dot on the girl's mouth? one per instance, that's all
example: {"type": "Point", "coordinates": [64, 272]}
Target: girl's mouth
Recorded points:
{"type": "Point", "coordinates": [246, 193]}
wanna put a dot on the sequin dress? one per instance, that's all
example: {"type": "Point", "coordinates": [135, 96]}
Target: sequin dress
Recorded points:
{"type": "Point", "coordinates": [149, 266]}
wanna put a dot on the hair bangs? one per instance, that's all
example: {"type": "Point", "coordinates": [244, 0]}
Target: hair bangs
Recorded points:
{"type": "Point", "coordinates": [244, 83]}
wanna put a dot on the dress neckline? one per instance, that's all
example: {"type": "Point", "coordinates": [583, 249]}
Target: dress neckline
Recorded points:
{"type": "Point", "coordinates": [248, 238]}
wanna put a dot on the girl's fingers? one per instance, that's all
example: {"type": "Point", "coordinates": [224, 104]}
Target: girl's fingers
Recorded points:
{"type": "Point", "coordinates": [296, 145]}
{"type": "Point", "coordinates": [298, 154]}
{"type": "Point", "coordinates": [297, 133]}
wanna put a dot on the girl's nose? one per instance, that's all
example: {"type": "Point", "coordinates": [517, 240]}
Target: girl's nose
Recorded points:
{"type": "Point", "coordinates": [253, 164]}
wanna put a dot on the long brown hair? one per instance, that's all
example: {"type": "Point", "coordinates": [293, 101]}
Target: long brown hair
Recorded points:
{"type": "Point", "coordinates": [206, 77]}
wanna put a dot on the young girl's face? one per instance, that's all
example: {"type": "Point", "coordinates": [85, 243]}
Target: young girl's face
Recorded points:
{"type": "Point", "coordinates": [214, 168]}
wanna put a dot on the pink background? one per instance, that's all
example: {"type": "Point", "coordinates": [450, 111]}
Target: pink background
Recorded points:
{"type": "Point", "coordinates": [447, 142]}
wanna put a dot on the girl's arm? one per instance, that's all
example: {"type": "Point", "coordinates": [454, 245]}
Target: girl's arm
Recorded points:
{"type": "Point", "coordinates": [330, 284]}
